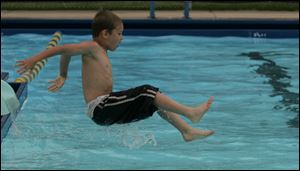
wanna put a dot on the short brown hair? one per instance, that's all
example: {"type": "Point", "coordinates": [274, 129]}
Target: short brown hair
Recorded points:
{"type": "Point", "coordinates": [104, 19]}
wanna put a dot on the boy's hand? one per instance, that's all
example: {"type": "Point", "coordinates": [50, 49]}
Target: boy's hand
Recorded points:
{"type": "Point", "coordinates": [25, 65]}
{"type": "Point", "coordinates": [56, 84]}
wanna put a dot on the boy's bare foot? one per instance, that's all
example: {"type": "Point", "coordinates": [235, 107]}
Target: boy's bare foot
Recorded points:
{"type": "Point", "coordinates": [199, 111]}
{"type": "Point", "coordinates": [194, 134]}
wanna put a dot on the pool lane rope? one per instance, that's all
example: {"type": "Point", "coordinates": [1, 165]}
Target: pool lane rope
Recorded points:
{"type": "Point", "coordinates": [29, 75]}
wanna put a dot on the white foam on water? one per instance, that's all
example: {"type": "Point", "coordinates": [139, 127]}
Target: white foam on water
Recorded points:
{"type": "Point", "coordinates": [130, 136]}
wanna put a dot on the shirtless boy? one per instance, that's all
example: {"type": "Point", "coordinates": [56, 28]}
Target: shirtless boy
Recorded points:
{"type": "Point", "coordinates": [106, 107]}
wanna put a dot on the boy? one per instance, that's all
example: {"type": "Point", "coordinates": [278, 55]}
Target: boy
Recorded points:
{"type": "Point", "coordinates": [104, 106]}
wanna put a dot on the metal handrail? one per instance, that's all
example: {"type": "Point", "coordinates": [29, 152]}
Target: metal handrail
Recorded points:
{"type": "Point", "coordinates": [186, 12]}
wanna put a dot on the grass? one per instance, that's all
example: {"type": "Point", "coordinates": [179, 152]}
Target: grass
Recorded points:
{"type": "Point", "coordinates": [144, 5]}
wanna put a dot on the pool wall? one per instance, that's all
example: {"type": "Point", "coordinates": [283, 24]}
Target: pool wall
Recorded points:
{"type": "Point", "coordinates": [150, 27]}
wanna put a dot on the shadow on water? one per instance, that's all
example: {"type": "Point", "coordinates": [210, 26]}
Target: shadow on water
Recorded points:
{"type": "Point", "coordinates": [280, 81]}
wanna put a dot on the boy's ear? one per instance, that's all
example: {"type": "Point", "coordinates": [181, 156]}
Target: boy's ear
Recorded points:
{"type": "Point", "coordinates": [105, 33]}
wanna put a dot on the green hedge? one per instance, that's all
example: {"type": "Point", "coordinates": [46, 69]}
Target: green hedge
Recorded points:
{"type": "Point", "coordinates": [144, 5]}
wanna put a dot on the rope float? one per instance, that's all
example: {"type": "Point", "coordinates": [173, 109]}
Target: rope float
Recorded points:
{"type": "Point", "coordinates": [31, 74]}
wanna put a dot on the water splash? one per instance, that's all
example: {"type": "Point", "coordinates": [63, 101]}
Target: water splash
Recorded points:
{"type": "Point", "coordinates": [129, 135]}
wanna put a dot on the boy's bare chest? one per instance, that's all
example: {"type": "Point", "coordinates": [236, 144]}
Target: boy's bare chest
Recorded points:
{"type": "Point", "coordinates": [100, 64]}
{"type": "Point", "coordinates": [107, 65]}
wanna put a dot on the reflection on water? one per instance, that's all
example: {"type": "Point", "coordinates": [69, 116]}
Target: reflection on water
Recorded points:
{"type": "Point", "coordinates": [280, 81]}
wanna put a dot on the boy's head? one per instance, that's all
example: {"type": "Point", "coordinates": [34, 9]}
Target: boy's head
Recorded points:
{"type": "Point", "coordinates": [106, 25]}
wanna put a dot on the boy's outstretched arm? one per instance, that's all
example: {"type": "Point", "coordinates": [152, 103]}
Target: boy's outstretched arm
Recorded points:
{"type": "Point", "coordinates": [84, 48]}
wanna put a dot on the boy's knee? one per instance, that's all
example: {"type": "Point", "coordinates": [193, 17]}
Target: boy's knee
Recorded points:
{"type": "Point", "coordinates": [146, 87]}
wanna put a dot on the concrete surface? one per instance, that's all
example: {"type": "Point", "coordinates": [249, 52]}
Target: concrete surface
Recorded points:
{"type": "Point", "coordinates": [213, 15]}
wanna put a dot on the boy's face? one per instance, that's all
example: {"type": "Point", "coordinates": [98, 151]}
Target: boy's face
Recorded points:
{"type": "Point", "coordinates": [115, 38]}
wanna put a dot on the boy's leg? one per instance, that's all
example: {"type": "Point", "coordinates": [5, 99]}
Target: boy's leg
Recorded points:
{"type": "Point", "coordinates": [194, 114]}
{"type": "Point", "coordinates": [188, 133]}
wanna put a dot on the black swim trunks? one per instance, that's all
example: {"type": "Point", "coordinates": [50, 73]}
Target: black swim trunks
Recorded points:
{"type": "Point", "coordinates": [124, 106]}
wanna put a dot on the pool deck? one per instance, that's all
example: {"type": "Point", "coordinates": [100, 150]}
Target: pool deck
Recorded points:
{"type": "Point", "coordinates": [197, 15]}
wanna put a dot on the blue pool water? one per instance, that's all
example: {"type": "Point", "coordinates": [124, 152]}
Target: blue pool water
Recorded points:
{"type": "Point", "coordinates": [255, 113]}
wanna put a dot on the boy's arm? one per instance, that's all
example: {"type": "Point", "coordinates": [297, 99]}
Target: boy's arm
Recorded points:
{"type": "Point", "coordinates": [61, 78]}
{"type": "Point", "coordinates": [64, 65]}
{"type": "Point", "coordinates": [64, 50]}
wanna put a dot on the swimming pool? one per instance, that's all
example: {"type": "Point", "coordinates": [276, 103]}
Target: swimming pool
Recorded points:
{"type": "Point", "coordinates": [255, 82]}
